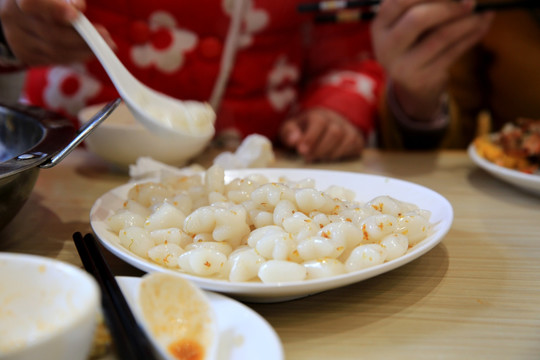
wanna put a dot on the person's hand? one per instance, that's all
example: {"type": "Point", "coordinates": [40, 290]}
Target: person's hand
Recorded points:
{"type": "Point", "coordinates": [417, 41]}
{"type": "Point", "coordinates": [322, 135]}
{"type": "Point", "coordinates": [39, 32]}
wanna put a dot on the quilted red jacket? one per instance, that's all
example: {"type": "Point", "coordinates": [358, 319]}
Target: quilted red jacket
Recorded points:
{"type": "Point", "coordinates": [280, 61]}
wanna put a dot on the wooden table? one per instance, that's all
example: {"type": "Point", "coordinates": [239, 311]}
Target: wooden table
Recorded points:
{"type": "Point", "coordinates": [474, 296]}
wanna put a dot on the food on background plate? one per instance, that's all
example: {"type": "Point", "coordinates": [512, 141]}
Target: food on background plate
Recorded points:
{"type": "Point", "coordinates": [251, 229]}
{"type": "Point", "coordinates": [516, 146]}
{"type": "Point", "coordinates": [255, 151]}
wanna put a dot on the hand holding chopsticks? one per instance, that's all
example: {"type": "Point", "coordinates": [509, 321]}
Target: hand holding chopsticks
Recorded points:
{"type": "Point", "coordinates": [343, 11]}
{"type": "Point", "coordinates": [130, 340]}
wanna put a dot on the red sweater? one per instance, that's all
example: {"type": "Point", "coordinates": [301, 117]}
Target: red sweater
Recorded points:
{"type": "Point", "coordinates": [282, 62]}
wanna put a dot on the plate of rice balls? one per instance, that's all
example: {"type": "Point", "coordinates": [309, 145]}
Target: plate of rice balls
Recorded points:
{"type": "Point", "coordinates": [268, 234]}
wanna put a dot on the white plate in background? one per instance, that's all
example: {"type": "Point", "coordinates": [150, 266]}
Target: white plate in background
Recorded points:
{"type": "Point", "coordinates": [366, 188]}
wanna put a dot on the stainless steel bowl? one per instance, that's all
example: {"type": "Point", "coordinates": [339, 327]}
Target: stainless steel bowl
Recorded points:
{"type": "Point", "coordinates": [31, 139]}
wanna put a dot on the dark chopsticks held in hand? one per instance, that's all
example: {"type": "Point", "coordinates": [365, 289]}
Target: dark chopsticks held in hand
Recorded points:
{"type": "Point", "coordinates": [130, 340]}
{"type": "Point", "coordinates": [344, 11]}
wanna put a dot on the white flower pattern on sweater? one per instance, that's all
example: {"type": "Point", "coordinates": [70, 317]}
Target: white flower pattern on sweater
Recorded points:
{"type": "Point", "coordinates": [167, 57]}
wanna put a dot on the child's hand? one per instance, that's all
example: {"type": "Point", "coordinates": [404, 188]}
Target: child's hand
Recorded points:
{"type": "Point", "coordinates": [39, 32]}
{"type": "Point", "coordinates": [322, 135]}
{"type": "Point", "coordinates": [418, 39]}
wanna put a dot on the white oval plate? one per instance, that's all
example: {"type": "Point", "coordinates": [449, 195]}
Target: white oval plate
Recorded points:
{"type": "Point", "coordinates": [243, 333]}
{"type": "Point", "coordinates": [528, 182]}
{"type": "Point", "coordinates": [366, 188]}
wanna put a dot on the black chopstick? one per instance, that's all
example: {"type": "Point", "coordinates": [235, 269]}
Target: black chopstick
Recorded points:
{"type": "Point", "coordinates": [331, 5]}
{"type": "Point", "coordinates": [129, 338]}
{"type": "Point", "coordinates": [336, 11]}
{"type": "Point", "coordinates": [510, 5]}
{"type": "Point", "coordinates": [345, 16]}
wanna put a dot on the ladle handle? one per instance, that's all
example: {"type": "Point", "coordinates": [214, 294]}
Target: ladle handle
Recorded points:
{"type": "Point", "coordinates": [83, 132]}
{"type": "Point", "coordinates": [119, 75]}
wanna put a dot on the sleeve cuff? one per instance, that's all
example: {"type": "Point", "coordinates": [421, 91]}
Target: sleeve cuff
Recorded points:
{"type": "Point", "coordinates": [440, 120]}
{"type": "Point", "coordinates": [416, 134]}
{"type": "Point", "coordinates": [350, 104]}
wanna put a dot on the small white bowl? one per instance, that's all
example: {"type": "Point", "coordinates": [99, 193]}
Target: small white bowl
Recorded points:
{"type": "Point", "coordinates": [48, 309]}
{"type": "Point", "coordinates": [121, 140]}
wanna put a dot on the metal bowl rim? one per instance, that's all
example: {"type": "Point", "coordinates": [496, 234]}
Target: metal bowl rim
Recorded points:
{"type": "Point", "coordinates": [58, 131]}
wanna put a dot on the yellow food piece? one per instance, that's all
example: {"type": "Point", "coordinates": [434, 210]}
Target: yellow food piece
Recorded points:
{"type": "Point", "coordinates": [491, 151]}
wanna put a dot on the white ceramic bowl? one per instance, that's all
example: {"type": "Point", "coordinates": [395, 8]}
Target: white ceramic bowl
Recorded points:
{"type": "Point", "coordinates": [121, 140]}
{"type": "Point", "coordinates": [48, 309]}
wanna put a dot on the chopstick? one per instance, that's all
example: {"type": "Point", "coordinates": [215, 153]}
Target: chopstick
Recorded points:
{"type": "Point", "coordinates": [330, 5]}
{"type": "Point", "coordinates": [510, 5]}
{"type": "Point", "coordinates": [129, 339]}
{"type": "Point", "coordinates": [345, 16]}
{"type": "Point", "coordinates": [343, 11]}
